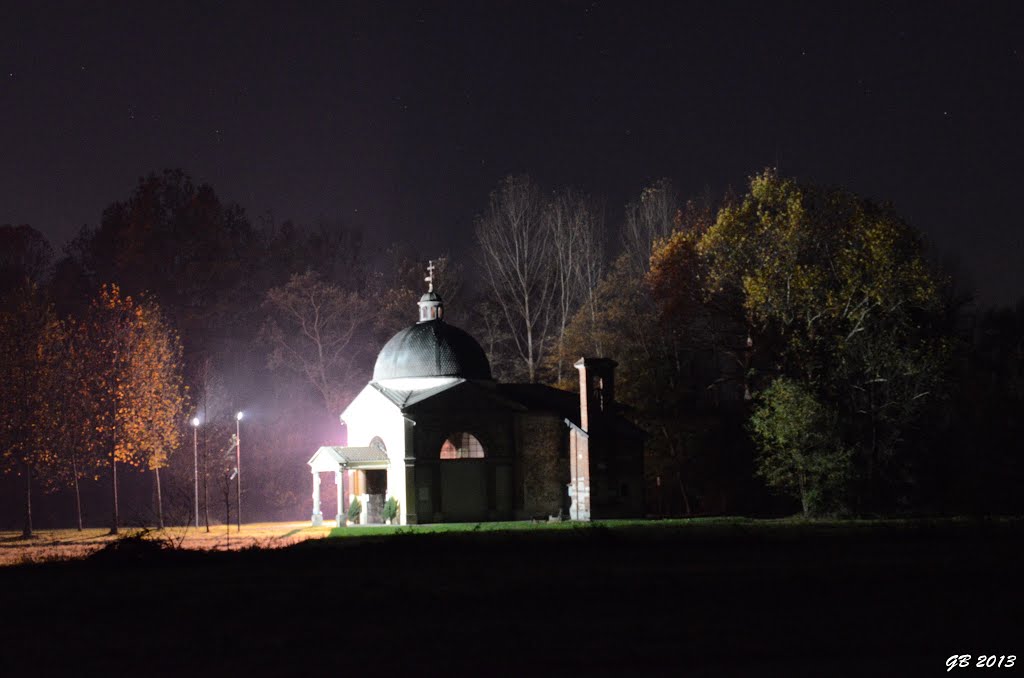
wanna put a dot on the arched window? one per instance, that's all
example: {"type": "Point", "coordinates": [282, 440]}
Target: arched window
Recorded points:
{"type": "Point", "coordinates": [378, 443]}
{"type": "Point", "coordinates": [462, 446]}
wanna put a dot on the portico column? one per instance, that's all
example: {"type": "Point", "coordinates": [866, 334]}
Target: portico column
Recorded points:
{"type": "Point", "coordinates": [339, 483]}
{"type": "Point", "coordinates": [318, 517]}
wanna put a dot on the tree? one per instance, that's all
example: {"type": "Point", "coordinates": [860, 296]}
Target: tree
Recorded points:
{"type": "Point", "coordinates": [216, 417]}
{"type": "Point", "coordinates": [623, 323]}
{"type": "Point", "coordinates": [843, 286]}
{"type": "Point", "coordinates": [178, 242]}
{"type": "Point", "coordinates": [699, 386]}
{"type": "Point", "coordinates": [133, 375]}
{"type": "Point", "coordinates": [647, 221]}
{"type": "Point", "coordinates": [800, 453]}
{"type": "Point", "coordinates": [314, 329]}
{"type": "Point", "coordinates": [976, 432]}
{"type": "Point", "coordinates": [29, 340]}
{"type": "Point", "coordinates": [577, 250]}
{"type": "Point", "coordinates": [488, 326]}
{"type": "Point", "coordinates": [71, 411]}
{"type": "Point", "coordinates": [156, 393]}
{"type": "Point", "coordinates": [516, 249]}
{"type": "Point", "coordinates": [109, 340]}
{"type": "Point", "coordinates": [400, 285]}
{"type": "Point", "coordinates": [331, 249]}
{"type": "Point", "coordinates": [25, 254]}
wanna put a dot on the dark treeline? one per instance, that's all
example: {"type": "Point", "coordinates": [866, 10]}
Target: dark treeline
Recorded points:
{"type": "Point", "coordinates": [790, 349]}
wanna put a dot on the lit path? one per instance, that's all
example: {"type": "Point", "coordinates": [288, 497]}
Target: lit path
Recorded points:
{"type": "Point", "coordinates": [62, 544]}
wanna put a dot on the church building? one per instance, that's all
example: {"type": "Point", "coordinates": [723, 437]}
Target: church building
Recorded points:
{"type": "Point", "coordinates": [437, 433]}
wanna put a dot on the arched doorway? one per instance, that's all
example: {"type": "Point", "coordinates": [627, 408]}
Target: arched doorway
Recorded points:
{"type": "Point", "coordinates": [464, 494]}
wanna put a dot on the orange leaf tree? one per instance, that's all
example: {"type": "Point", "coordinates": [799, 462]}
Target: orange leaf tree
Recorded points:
{"type": "Point", "coordinates": [134, 382]}
{"type": "Point", "coordinates": [29, 335]}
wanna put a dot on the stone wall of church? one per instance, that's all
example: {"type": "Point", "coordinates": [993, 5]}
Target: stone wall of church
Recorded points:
{"type": "Point", "coordinates": [543, 459]}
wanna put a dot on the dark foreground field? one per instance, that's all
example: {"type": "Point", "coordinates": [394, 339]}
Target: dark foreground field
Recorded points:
{"type": "Point", "coordinates": [693, 599]}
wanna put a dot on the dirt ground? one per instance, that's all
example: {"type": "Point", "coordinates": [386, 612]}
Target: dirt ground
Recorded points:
{"type": "Point", "coordinates": [48, 545]}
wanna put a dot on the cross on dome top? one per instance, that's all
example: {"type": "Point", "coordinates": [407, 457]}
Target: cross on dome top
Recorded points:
{"type": "Point", "coordinates": [431, 306]}
{"type": "Point", "coordinates": [430, 276]}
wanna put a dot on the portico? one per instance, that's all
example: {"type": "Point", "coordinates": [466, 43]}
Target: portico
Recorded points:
{"type": "Point", "coordinates": [349, 466]}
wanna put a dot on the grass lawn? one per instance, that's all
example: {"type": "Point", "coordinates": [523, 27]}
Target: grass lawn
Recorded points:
{"type": "Point", "coordinates": [716, 597]}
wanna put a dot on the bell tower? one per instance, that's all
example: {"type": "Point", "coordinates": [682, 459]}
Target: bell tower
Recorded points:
{"type": "Point", "coordinates": [431, 305]}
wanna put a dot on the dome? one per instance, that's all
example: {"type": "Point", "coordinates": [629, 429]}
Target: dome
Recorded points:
{"type": "Point", "coordinates": [431, 349]}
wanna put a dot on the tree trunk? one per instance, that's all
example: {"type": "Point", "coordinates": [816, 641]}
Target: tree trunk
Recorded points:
{"type": "Point", "coordinates": [873, 465]}
{"type": "Point", "coordinates": [113, 475]}
{"type": "Point", "coordinates": [78, 496]}
{"type": "Point", "coordinates": [206, 487]}
{"type": "Point", "coordinates": [529, 343]}
{"type": "Point", "coordinates": [159, 501]}
{"type": "Point", "coordinates": [682, 491]}
{"type": "Point", "coordinates": [26, 531]}
{"type": "Point", "coordinates": [803, 494]}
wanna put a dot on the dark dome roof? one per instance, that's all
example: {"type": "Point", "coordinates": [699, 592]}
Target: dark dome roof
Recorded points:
{"type": "Point", "coordinates": [432, 349]}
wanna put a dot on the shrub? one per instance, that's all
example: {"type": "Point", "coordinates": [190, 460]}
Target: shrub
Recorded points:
{"type": "Point", "coordinates": [354, 509]}
{"type": "Point", "coordinates": [390, 511]}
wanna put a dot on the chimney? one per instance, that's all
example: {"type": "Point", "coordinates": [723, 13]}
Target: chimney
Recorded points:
{"type": "Point", "coordinates": [597, 389]}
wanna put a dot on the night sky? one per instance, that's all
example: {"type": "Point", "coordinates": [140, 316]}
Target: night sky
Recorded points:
{"type": "Point", "coordinates": [399, 118]}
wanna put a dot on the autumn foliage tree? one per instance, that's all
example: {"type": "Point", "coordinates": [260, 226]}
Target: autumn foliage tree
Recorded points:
{"type": "Point", "coordinates": [29, 340]}
{"type": "Point", "coordinates": [134, 380]}
{"type": "Point", "coordinates": [156, 394]}
{"type": "Point", "coordinates": [71, 411]}
{"type": "Point", "coordinates": [844, 286]}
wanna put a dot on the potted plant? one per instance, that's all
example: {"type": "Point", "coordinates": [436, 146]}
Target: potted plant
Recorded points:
{"type": "Point", "coordinates": [354, 510]}
{"type": "Point", "coordinates": [390, 510]}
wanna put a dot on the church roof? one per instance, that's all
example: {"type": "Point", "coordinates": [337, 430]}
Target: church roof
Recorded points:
{"type": "Point", "coordinates": [432, 349]}
{"type": "Point", "coordinates": [566, 404]}
{"type": "Point", "coordinates": [542, 398]}
{"type": "Point", "coordinates": [329, 457]}
{"type": "Point", "coordinates": [404, 398]}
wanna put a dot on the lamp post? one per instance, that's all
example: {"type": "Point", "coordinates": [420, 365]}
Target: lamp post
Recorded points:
{"type": "Point", "coordinates": [238, 465]}
{"type": "Point", "coordinates": [195, 456]}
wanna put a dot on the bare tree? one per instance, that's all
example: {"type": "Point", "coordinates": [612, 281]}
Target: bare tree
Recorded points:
{"type": "Point", "coordinates": [592, 269]}
{"type": "Point", "coordinates": [647, 221]}
{"type": "Point", "coordinates": [488, 326]}
{"type": "Point", "coordinates": [314, 331]}
{"type": "Point", "coordinates": [518, 262]}
{"type": "Point", "coordinates": [212, 407]}
{"type": "Point", "coordinates": [577, 248]}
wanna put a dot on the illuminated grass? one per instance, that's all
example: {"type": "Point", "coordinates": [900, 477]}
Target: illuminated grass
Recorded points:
{"type": "Point", "coordinates": [722, 526]}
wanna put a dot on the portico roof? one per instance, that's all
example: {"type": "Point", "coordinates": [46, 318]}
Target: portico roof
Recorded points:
{"type": "Point", "coordinates": [335, 457]}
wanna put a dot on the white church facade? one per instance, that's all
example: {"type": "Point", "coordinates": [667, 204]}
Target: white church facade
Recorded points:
{"type": "Point", "coordinates": [437, 433]}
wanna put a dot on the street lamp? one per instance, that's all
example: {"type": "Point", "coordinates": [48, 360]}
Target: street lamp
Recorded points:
{"type": "Point", "coordinates": [238, 465]}
{"type": "Point", "coordinates": [195, 471]}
